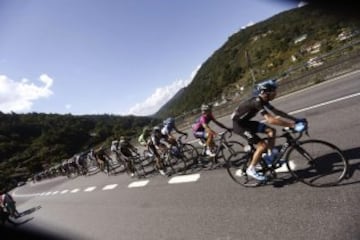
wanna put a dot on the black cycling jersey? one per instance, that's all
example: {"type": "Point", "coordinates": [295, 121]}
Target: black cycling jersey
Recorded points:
{"type": "Point", "coordinates": [249, 108]}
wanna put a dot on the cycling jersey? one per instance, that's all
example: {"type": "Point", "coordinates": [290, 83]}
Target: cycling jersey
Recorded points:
{"type": "Point", "coordinates": [155, 139]}
{"type": "Point", "coordinates": [249, 108]}
{"type": "Point", "coordinates": [168, 126]}
{"type": "Point", "coordinates": [204, 119]}
{"type": "Point", "coordinates": [144, 138]}
{"type": "Point", "coordinates": [125, 148]}
{"type": "Point", "coordinates": [101, 154]}
{"type": "Point", "coordinates": [243, 114]}
{"type": "Point", "coordinates": [114, 145]}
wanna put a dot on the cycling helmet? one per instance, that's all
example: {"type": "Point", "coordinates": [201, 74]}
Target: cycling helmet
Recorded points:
{"type": "Point", "coordinates": [156, 129]}
{"type": "Point", "coordinates": [122, 139]}
{"type": "Point", "coordinates": [205, 107]}
{"type": "Point", "coordinates": [266, 86]}
{"type": "Point", "coordinates": [169, 121]}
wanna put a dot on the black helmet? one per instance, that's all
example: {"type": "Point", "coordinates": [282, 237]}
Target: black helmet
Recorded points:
{"type": "Point", "coordinates": [156, 129]}
{"type": "Point", "coordinates": [266, 86]}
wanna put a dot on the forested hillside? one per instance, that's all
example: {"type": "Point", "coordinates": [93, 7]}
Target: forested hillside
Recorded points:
{"type": "Point", "coordinates": [29, 143]}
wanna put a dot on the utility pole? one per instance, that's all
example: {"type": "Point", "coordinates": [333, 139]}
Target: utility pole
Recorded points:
{"type": "Point", "coordinates": [248, 61]}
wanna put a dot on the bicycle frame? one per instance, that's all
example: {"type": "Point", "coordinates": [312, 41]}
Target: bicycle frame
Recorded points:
{"type": "Point", "coordinates": [290, 142]}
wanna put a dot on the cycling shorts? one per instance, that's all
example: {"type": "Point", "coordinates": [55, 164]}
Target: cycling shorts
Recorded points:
{"type": "Point", "coordinates": [248, 130]}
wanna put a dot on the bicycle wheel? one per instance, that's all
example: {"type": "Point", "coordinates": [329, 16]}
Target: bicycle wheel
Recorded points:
{"type": "Point", "coordinates": [190, 153]}
{"type": "Point", "coordinates": [138, 167]}
{"type": "Point", "coordinates": [227, 149]}
{"type": "Point", "coordinates": [177, 164]}
{"type": "Point", "coordinates": [317, 163]}
{"type": "Point", "coordinates": [236, 165]}
{"type": "Point", "coordinates": [230, 148]}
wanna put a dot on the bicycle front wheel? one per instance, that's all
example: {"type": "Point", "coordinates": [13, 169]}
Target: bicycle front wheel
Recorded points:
{"type": "Point", "coordinates": [317, 163]}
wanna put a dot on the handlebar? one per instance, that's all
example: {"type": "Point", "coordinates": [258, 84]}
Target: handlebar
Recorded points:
{"type": "Point", "coordinates": [180, 138]}
{"type": "Point", "coordinates": [289, 130]}
{"type": "Point", "coordinates": [223, 134]}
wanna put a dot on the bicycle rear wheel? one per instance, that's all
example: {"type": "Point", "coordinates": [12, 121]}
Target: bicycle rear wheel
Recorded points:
{"type": "Point", "coordinates": [236, 165]}
{"type": "Point", "coordinates": [177, 164]}
{"type": "Point", "coordinates": [317, 163]}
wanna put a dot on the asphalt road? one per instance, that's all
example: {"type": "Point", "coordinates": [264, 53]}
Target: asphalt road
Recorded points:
{"type": "Point", "coordinates": [208, 204]}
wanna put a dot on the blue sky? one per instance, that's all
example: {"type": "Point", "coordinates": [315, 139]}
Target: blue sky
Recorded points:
{"type": "Point", "coordinates": [112, 56]}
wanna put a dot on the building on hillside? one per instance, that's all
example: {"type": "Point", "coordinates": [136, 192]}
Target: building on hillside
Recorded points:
{"type": "Point", "coordinates": [300, 39]}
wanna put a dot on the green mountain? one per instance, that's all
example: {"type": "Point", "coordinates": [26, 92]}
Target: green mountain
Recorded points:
{"type": "Point", "coordinates": [268, 47]}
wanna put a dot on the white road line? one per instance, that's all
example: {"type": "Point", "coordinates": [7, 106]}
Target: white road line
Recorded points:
{"type": "Point", "coordinates": [56, 192]}
{"type": "Point", "coordinates": [109, 187]}
{"type": "Point", "coordinates": [64, 191]}
{"type": "Point", "coordinates": [47, 194]}
{"type": "Point", "coordinates": [90, 189]}
{"type": "Point", "coordinates": [138, 184]}
{"type": "Point", "coordinates": [184, 179]}
{"type": "Point", "coordinates": [25, 195]}
{"type": "Point", "coordinates": [75, 190]}
{"type": "Point", "coordinates": [326, 103]}
{"type": "Point", "coordinates": [284, 168]}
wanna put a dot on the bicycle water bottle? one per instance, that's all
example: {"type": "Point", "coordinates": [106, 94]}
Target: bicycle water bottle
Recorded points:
{"type": "Point", "coordinates": [269, 158]}
{"type": "Point", "coordinates": [174, 150]}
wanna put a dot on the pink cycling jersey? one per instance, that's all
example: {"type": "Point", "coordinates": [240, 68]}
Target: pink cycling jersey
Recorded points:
{"type": "Point", "coordinates": [204, 119]}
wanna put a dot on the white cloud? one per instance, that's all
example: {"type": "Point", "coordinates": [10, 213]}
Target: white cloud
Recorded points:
{"type": "Point", "coordinates": [18, 96]}
{"type": "Point", "coordinates": [160, 97]}
{"type": "Point", "coordinates": [68, 106]}
{"type": "Point", "coordinates": [248, 25]}
{"type": "Point", "coordinates": [302, 3]}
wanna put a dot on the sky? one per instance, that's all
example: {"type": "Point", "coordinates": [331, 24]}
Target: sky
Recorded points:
{"type": "Point", "coordinates": [117, 57]}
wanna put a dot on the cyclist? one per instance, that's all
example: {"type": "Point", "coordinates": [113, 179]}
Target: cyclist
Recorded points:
{"type": "Point", "coordinates": [264, 92]}
{"type": "Point", "coordinates": [144, 138]}
{"type": "Point", "coordinates": [127, 150]}
{"type": "Point", "coordinates": [157, 145]}
{"type": "Point", "coordinates": [9, 204]}
{"type": "Point", "coordinates": [80, 161]}
{"type": "Point", "coordinates": [202, 130]}
{"type": "Point", "coordinates": [168, 127]}
{"type": "Point", "coordinates": [4, 214]}
{"type": "Point", "coordinates": [102, 159]}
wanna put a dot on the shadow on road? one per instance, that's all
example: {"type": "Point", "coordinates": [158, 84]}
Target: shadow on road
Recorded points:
{"type": "Point", "coordinates": [353, 157]}
{"type": "Point", "coordinates": [29, 211]}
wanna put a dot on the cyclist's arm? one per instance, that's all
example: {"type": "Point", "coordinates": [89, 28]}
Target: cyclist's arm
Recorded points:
{"type": "Point", "coordinates": [220, 124]}
{"type": "Point", "coordinates": [178, 131]}
{"type": "Point", "coordinates": [278, 121]}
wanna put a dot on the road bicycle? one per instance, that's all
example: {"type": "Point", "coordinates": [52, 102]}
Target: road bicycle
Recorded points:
{"type": "Point", "coordinates": [224, 148]}
{"type": "Point", "coordinates": [187, 150]}
{"type": "Point", "coordinates": [133, 165]}
{"type": "Point", "coordinates": [314, 162]}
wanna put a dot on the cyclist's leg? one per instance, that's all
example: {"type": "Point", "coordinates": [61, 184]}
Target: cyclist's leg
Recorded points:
{"type": "Point", "coordinates": [248, 130]}
{"type": "Point", "coordinates": [158, 161]}
{"type": "Point", "coordinates": [129, 162]}
{"type": "Point", "coordinates": [271, 133]}
{"type": "Point", "coordinates": [209, 136]}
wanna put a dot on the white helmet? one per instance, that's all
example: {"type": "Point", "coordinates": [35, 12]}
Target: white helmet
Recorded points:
{"type": "Point", "coordinates": [205, 107]}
